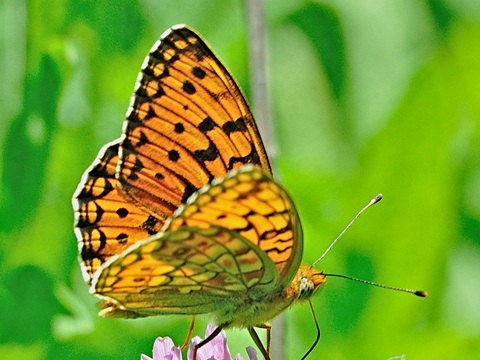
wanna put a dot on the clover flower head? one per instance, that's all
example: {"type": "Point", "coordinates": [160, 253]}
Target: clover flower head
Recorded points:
{"type": "Point", "coordinates": [216, 349]}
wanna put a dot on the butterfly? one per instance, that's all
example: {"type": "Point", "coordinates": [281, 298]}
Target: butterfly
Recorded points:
{"type": "Point", "coordinates": [181, 214]}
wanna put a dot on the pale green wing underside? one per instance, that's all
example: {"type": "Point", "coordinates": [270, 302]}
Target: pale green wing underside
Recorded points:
{"type": "Point", "coordinates": [188, 271]}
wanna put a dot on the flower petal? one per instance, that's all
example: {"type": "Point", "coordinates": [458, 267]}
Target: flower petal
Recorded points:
{"type": "Point", "coordinates": [252, 354]}
{"type": "Point", "coordinates": [218, 344]}
{"type": "Point", "coordinates": [165, 349]}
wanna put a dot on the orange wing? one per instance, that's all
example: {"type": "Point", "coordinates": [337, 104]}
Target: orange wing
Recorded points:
{"type": "Point", "coordinates": [187, 124]}
{"type": "Point", "coordinates": [106, 224]}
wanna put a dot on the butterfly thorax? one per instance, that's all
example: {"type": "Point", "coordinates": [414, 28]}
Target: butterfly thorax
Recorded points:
{"type": "Point", "coordinates": [253, 312]}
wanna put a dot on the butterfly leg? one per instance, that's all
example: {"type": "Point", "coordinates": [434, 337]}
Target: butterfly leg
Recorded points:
{"type": "Point", "coordinates": [189, 334]}
{"type": "Point", "coordinates": [207, 340]}
{"type": "Point", "coordinates": [268, 328]}
{"type": "Point", "coordinates": [317, 338]}
{"type": "Point", "coordinates": [258, 342]}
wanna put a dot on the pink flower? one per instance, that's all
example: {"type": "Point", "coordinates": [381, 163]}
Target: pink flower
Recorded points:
{"type": "Point", "coordinates": [164, 349]}
{"type": "Point", "coordinates": [217, 349]}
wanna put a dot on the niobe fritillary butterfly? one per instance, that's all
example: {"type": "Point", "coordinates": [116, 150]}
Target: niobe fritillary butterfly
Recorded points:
{"type": "Point", "coordinates": [180, 215]}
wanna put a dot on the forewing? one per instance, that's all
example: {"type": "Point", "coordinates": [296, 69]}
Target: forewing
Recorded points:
{"type": "Point", "coordinates": [187, 124]}
{"type": "Point", "coordinates": [106, 223]}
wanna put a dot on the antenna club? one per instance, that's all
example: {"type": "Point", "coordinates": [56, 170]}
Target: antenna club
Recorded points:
{"type": "Point", "coordinates": [421, 293]}
{"type": "Point", "coordinates": [377, 198]}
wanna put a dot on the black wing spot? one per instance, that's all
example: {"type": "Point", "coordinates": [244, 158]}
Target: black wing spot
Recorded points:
{"type": "Point", "coordinates": [251, 158]}
{"type": "Point", "coordinates": [122, 238]}
{"type": "Point", "coordinates": [209, 154]}
{"type": "Point", "coordinates": [150, 224]}
{"type": "Point", "coordinates": [179, 128]}
{"type": "Point", "coordinates": [173, 155]}
{"type": "Point", "coordinates": [122, 212]}
{"type": "Point", "coordinates": [232, 126]}
{"type": "Point", "coordinates": [198, 72]}
{"type": "Point", "coordinates": [206, 125]}
{"type": "Point", "coordinates": [188, 87]}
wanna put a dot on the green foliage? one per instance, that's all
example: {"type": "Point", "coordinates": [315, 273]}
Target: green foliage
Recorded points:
{"type": "Point", "coordinates": [28, 142]}
{"type": "Point", "coordinates": [367, 96]}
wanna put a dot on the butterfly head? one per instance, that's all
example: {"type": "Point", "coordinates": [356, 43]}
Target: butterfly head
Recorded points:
{"type": "Point", "coordinates": [306, 282]}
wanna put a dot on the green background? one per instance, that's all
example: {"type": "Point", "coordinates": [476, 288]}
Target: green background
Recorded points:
{"type": "Point", "coordinates": [366, 97]}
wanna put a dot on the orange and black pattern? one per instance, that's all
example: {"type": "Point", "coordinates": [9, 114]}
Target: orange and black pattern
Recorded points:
{"type": "Point", "coordinates": [187, 124]}
{"type": "Point", "coordinates": [253, 205]}
{"type": "Point", "coordinates": [106, 224]}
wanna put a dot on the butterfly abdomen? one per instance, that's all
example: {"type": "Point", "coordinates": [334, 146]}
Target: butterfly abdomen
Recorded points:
{"type": "Point", "coordinates": [251, 310]}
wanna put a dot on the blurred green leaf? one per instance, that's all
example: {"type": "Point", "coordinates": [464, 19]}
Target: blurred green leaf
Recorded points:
{"type": "Point", "coordinates": [119, 24]}
{"type": "Point", "coordinates": [442, 14]}
{"type": "Point", "coordinates": [321, 24]}
{"type": "Point", "coordinates": [29, 294]}
{"type": "Point", "coordinates": [27, 146]}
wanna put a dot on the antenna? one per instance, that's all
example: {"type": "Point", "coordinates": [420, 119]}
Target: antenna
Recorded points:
{"type": "Point", "coordinates": [420, 293]}
{"type": "Point", "coordinates": [375, 200]}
